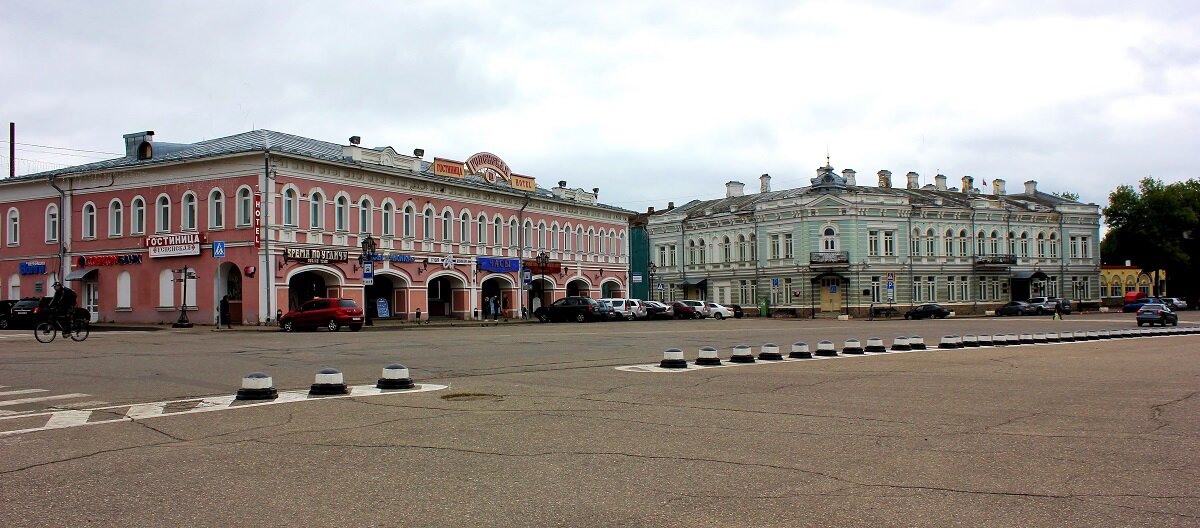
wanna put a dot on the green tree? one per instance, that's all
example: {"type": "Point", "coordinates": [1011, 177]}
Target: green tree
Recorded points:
{"type": "Point", "coordinates": [1156, 226]}
{"type": "Point", "coordinates": [1067, 195]}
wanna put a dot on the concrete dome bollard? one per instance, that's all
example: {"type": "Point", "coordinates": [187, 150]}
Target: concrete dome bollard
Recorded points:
{"type": "Point", "coordinates": [825, 349]}
{"type": "Point", "coordinates": [708, 357]}
{"type": "Point", "coordinates": [916, 342]}
{"type": "Point", "coordinates": [257, 386]}
{"type": "Point", "coordinates": [1092, 335]}
{"type": "Point", "coordinates": [970, 341]}
{"type": "Point", "coordinates": [958, 342]}
{"type": "Point", "coordinates": [395, 376]}
{"type": "Point", "coordinates": [800, 351]}
{"type": "Point", "coordinates": [946, 342]}
{"type": "Point", "coordinates": [673, 359]}
{"type": "Point", "coordinates": [1066, 337]}
{"type": "Point", "coordinates": [1000, 339]}
{"type": "Point", "coordinates": [900, 344]}
{"type": "Point", "coordinates": [1026, 339]}
{"type": "Point", "coordinates": [1052, 337]}
{"type": "Point", "coordinates": [1039, 338]}
{"type": "Point", "coordinates": [985, 340]}
{"type": "Point", "coordinates": [1104, 334]}
{"type": "Point", "coordinates": [875, 345]}
{"type": "Point", "coordinates": [1080, 335]}
{"type": "Point", "coordinates": [328, 381]}
{"type": "Point", "coordinates": [852, 346]}
{"type": "Point", "coordinates": [769, 352]}
{"type": "Point", "coordinates": [741, 354]}
{"type": "Point", "coordinates": [1125, 333]}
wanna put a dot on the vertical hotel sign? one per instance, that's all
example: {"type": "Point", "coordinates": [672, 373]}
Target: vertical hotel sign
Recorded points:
{"type": "Point", "coordinates": [257, 220]}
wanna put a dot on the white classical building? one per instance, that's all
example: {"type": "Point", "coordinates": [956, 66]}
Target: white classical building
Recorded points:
{"type": "Point", "coordinates": [836, 247]}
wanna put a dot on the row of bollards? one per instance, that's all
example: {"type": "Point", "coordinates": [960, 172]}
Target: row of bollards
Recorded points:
{"type": "Point", "coordinates": [329, 381]}
{"type": "Point", "coordinates": [673, 358]}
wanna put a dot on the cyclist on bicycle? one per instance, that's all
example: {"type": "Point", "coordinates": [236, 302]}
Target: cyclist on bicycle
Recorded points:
{"type": "Point", "coordinates": [62, 306]}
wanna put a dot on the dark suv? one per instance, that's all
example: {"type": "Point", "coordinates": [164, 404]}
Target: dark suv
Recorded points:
{"type": "Point", "coordinates": [30, 311]}
{"type": "Point", "coordinates": [578, 309]}
{"type": "Point", "coordinates": [927, 311]}
{"type": "Point", "coordinates": [5, 309]}
{"type": "Point", "coordinates": [327, 312]}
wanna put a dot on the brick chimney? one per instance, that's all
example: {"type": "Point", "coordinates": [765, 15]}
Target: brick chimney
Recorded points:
{"type": "Point", "coordinates": [1031, 188]}
{"type": "Point", "coordinates": [764, 183]}
{"type": "Point", "coordinates": [885, 179]}
{"type": "Point", "coordinates": [939, 182]}
{"type": "Point", "coordinates": [914, 180]}
{"type": "Point", "coordinates": [968, 184]}
{"type": "Point", "coordinates": [849, 175]}
{"type": "Point", "coordinates": [998, 187]}
{"type": "Point", "coordinates": [734, 189]}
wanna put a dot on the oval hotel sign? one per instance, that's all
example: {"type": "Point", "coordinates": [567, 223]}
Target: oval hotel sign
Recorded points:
{"type": "Point", "coordinates": [487, 166]}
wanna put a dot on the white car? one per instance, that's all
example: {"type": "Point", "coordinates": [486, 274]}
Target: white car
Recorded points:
{"type": "Point", "coordinates": [1175, 303]}
{"type": "Point", "coordinates": [719, 311]}
{"type": "Point", "coordinates": [628, 309]}
{"type": "Point", "coordinates": [701, 307]}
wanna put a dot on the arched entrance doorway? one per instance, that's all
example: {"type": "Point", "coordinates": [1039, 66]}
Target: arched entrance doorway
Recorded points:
{"type": "Point", "coordinates": [379, 295]}
{"type": "Point", "coordinates": [611, 289]}
{"type": "Point", "coordinates": [446, 296]}
{"type": "Point", "coordinates": [229, 282]}
{"type": "Point", "coordinates": [495, 296]}
{"type": "Point", "coordinates": [309, 284]}
{"type": "Point", "coordinates": [577, 287]}
{"type": "Point", "coordinates": [541, 293]}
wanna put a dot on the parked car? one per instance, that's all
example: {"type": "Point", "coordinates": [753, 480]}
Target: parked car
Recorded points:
{"type": "Point", "coordinates": [1175, 303]}
{"type": "Point", "coordinates": [5, 309]}
{"type": "Point", "coordinates": [719, 311]}
{"type": "Point", "coordinates": [328, 312]}
{"type": "Point", "coordinates": [578, 309]}
{"type": "Point", "coordinates": [1137, 304]}
{"type": "Point", "coordinates": [1152, 313]}
{"type": "Point", "coordinates": [1020, 308]}
{"type": "Point", "coordinates": [737, 311]}
{"type": "Point", "coordinates": [699, 306]}
{"type": "Point", "coordinates": [1042, 305]}
{"type": "Point", "coordinates": [685, 311]}
{"type": "Point", "coordinates": [927, 310]}
{"type": "Point", "coordinates": [608, 310]}
{"type": "Point", "coordinates": [30, 311]}
{"type": "Point", "coordinates": [657, 310]}
{"type": "Point", "coordinates": [628, 309]}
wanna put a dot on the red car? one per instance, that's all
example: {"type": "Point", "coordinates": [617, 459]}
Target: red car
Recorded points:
{"type": "Point", "coordinates": [683, 311]}
{"type": "Point", "coordinates": [329, 312]}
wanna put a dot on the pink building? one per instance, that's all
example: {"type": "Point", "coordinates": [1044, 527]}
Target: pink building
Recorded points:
{"type": "Point", "coordinates": [272, 219]}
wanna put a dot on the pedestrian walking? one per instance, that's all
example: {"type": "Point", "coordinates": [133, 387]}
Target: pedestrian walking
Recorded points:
{"type": "Point", "coordinates": [223, 317]}
{"type": "Point", "coordinates": [1059, 310]}
{"type": "Point", "coordinates": [487, 307]}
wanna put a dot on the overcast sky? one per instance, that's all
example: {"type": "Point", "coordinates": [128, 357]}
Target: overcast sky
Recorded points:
{"type": "Point", "coordinates": [649, 101]}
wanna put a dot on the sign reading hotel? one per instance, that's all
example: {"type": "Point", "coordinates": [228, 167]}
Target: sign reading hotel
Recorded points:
{"type": "Point", "coordinates": [180, 245]}
{"type": "Point", "coordinates": [448, 168]}
{"type": "Point", "coordinates": [487, 166]}
{"type": "Point", "coordinates": [315, 256]}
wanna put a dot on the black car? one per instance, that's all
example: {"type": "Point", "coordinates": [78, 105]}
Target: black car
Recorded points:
{"type": "Point", "coordinates": [27, 313]}
{"type": "Point", "coordinates": [656, 310]}
{"type": "Point", "coordinates": [1017, 308]}
{"type": "Point", "coordinates": [1157, 313]}
{"type": "Point", "coordinates": [578, 309]}
{"type": "Point", "coordinates": [737, 310]}
{"type": "Point", "coordinates": [927, 310]}
{"type": "Point", "coordinates": [5, 309]}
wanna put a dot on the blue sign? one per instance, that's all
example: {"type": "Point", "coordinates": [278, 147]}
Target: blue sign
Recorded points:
{"type": "Point", "coordinates": [891, 285]}
{"type": "Point", "coordinates": [833, 288]}
{"type": "Point", "coordinates": [368, 273]}
{"type": "Point", "coordinates": [498, 265]}
{"type": "Point", "coordinates": [218, 250]}
{"type": "Point", "coordinates": [527, 276]}
{"type": "Point", "coordinates": [380, 257]}
{"type": "Point", "coordinates": [775, 281]}
{"type": "Point", "coordinates": [381, 307]}
{"type": "Point", "coordinates": [32, 268]}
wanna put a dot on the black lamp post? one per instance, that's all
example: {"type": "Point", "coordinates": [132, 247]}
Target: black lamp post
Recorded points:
{"type": "Point", "coordinates": [650, 269]}
{"type": "Point", "coordinates": [543, 260]}
{"type": "Point", "coordinates": [368, 255]}
{"type": "Point", "coordinates": [185, 273]}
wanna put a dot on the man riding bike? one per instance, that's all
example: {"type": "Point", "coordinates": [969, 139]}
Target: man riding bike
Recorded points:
{"type": "Point", "coordinates": [62, 306]}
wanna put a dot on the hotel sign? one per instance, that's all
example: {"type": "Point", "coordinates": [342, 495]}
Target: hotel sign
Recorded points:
{"type": "Point", "coordinates": [180, 245]}
{"type": "Point", "coordinates": [448, 168]}
{"type": "Point", "coordinates": [316, 256]}
{"type": "Point", "coordinates": [494, 170]}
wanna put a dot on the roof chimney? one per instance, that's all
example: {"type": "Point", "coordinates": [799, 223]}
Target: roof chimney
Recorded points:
{"type": "Point", "coordinates": [968, 184]}
{"type": "Point", "coordinates": [650, 210]}
{"type": "Point", "coordinates": [670, 205]}
{"type": "Point", "coordinates": [596, 192]}
{"type": "Point", "coordinates": [562, 184]}
{"type": "Point", "coordinates": [939, 182]}
{"type": "Point", "coordinates": [764, 183]}
{"type": "Point", "coordinates": [998, 187]}
{"type": "Point", "coordinates": [355, 140]}
{"type": "Point", "coordinates": [1031, 188]}
{"type": "Point", "coordinates": [734, 189]}
{"type": "Point", "coordinates": [885, 179]}
{"type": "Point", "coordinates": [914, 180]}
{"type": "Point", "coordinates": [138, 144]}
{"type": "Point", "coordinates": [849, 175]}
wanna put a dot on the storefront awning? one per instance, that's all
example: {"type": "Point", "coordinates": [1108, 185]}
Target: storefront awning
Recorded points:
{"type": "Point", "coordinates": [692, 282]}
{"type": "Point", "coordinates": [82, 274]}
{"type": "Point", "coordinates": [1026, 275]}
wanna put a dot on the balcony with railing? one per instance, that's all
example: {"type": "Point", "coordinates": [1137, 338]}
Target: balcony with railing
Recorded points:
{"type": "Point", "coordinates": [995, 261]}
{"type": "Point", "coordinates": [829, 258]}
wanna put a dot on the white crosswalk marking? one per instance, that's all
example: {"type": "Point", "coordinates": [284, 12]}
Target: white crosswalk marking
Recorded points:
{"type": "Point", "coordinates": [62, 419]}
{"type": "Point", "coordinates": [145, 410]}
{"type": "Point", "coordinates": [22, 401]}
{"type": "Point", "coordinates": [23, 391]}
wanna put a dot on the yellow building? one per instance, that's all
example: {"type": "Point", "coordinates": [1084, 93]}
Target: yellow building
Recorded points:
{"type": "Point", "coordinates": [1115, 281]}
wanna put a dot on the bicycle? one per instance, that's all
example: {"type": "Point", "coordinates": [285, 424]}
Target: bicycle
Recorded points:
{"type": "Point", "coordinates": [46, 331]}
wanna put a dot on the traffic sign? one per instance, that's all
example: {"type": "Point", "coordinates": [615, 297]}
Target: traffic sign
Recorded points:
{"type": "Point", "coordinates": [891, 285]}
{"type": "Point", "coordinates": [891, 276]}
{"type": "Point", "coordinates": [368, 269]}
{"type": "Point", "coordinates": [218, 249]}
{"type": "Point", "coordinates": [661, 286]}
{"type": "Point", "coordinates": [775, 281]}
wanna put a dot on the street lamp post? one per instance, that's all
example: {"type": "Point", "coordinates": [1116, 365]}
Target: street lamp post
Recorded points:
{"type": "Point", "coordinates": [184, 274]}
{"type": "Point", "coordinates": [650, 269]}
{"type": "Point", "coordinates": [367, 257]}
{"type": "Point", "coordinates": [543, 260]}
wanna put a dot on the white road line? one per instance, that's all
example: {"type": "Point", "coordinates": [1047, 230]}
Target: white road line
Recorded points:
{"type": "Point", "coordinates": [10, 403]}
{"type": "Point", "coordinates": [23, 391]}
{"type": "Point", "coordinates": [63, 419]}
